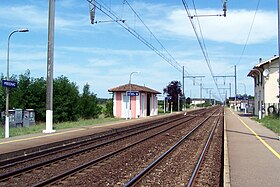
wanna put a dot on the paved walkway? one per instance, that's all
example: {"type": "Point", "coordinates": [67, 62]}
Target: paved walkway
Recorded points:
{"type": "Point", "coordinates": [254, 152]}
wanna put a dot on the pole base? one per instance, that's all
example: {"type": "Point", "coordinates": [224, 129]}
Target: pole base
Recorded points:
{"type": "Point", "coordinates": [7, 127]}
{"type": "Point", "coordinates": [49, 122]}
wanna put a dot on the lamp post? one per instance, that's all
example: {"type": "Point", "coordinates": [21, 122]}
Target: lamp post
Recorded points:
{"type": "Point", "coordinates": [7, 89]}
{"type": "Point", "coordinates": [130, 91]}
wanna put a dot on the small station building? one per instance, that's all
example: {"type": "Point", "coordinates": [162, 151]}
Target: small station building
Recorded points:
{"type": "Point", "coordinates": [134, 101]}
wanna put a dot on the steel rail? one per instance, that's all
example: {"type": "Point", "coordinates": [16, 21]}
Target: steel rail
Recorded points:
{"type": "Point", "coordinates": [12, 173]}
{"type": "Point", "coordinates": [24, 158]}
{"type": "Point", "coordinates": [102, 158]}
{"type": "Point", "coordinates": [57, 150]}
{"type": "Point", "coordinates": [137, 178]}
{"type": "Point", "coordinates": [203, 153]}
{"type": "Point", "coordinates": [9, 174]}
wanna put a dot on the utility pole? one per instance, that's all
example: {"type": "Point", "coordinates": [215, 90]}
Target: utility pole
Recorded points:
{"type": "Point", "coordinates": [208, 89]}
{"type": "Point", "coordinates": [235, 84]}
{"type": "Point", "coordinates": [193, 77]}
{"type": "Point", "coordinates": [229, 89]}
{"type": "Point", "coordinates": [224, 76]}
{"type": "Point", "coordinates": [279, 57]}
{"type": "Point", "coordinates": [183, 81]}
{"type": "Point", "coordinates": [49, 94]}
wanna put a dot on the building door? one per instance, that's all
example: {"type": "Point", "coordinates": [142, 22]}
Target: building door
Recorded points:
{"type": "Point", "coordinates": [125, 107]}
{"type": "Point", "coordinates": [143, 105]}
{"type": "Point", "coordinates": [148, 104]}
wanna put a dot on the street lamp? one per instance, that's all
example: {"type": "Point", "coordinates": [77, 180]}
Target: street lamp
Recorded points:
{"type": "Point", "coordinates": [130, 91]}
{"type": "Point", "coordinates": [7, 89]}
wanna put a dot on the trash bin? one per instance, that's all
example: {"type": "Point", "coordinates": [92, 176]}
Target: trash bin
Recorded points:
{"type": "Point", "coordinates": [28, 117]}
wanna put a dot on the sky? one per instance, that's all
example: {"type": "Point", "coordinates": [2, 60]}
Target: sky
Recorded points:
{"type": "Point", "coordinates": [104, 54]}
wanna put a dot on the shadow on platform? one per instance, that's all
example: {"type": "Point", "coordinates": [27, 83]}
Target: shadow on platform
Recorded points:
{"type": "Point", "coordinates": [232, 131]}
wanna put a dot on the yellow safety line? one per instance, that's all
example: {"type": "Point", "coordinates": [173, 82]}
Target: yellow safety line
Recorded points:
{"type": "Point", "coordinates": [35, 137]}
{"type": "Point", "coordinates": [265, 144]}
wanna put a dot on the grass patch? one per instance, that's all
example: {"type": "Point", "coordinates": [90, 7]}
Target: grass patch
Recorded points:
{"type": "Point", "coordinates": [273, 123]}
{"type": "Point", "coordinates": [38, 128]}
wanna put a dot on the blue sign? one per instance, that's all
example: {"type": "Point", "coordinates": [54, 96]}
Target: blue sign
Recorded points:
{"type": "Point", "coordinates": [132, 93]}
{"type": "Point", "coordinates": [11, 84]}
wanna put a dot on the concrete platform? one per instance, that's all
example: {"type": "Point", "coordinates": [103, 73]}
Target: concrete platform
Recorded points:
{"type": "Point", "coordinates": [253, 153]}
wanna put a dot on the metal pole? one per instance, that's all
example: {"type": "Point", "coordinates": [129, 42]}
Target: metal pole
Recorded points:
{"type": "Point", "coordinates": [130, 92]}
{"type": "Point", "coordinates": [183, 81]}
{"type": "Point", "coordinates": [201, 93]}
{"type": "Point", "coordinates": [178, 102]}
{"type": "Point", "coordinates": [279, 55]}
{"type": "Point", "coordinates": [164, 109]}
{"type": "Point", "coordinates": [50, 60]}
{"type": "Point", "coordinates": [7, 120]}
{"type": "Point", "coordinates": [130, 96]}
{"type": "Point", "coordinates": [235, 101]}
{"type": "Point", "coordinates": [229, 89]}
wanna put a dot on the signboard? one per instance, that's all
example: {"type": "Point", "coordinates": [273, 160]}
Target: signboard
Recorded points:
{"type": "Point", "coordinates": [133, 93]}
{"type": "Point", "coordinates": [10, 84]}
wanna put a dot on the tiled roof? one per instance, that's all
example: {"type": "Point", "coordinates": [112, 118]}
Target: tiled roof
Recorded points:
{"type": "Point", "coordinates": [134, 87]}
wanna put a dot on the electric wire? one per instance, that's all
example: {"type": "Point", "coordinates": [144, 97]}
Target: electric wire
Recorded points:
{"type": "Point", "coordinates": [249, 34]}
{"type": "Point", "coordinates": [108, 12]}
{"type": "Point", "coordinates": [175, 62]}
{"type": "Point", "coordinates": [201, 47]}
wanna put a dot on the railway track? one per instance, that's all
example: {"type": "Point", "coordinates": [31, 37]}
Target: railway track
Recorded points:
{"type": "Point", "coordinates": [119, 154]}
{"type": "Point", "coordinates": [87, 143]}
{"type": "Point", "coordinates": [158, 173]}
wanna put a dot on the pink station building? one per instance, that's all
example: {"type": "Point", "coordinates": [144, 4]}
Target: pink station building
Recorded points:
{"type": "Point", "coordinates": [143, 101]}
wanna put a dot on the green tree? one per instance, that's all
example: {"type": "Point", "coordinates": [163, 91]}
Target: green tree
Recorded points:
{"type": "Point", "coordinates": [19, 97]}
{"type": "Point", "coordinates": [88, 104]}
{"type": "Point", "coordinates": [2, 96]}
{"type": "Point", "coordinates": [173, 91]}
{"type": "Point", "coordinates": [109, 108]}
{"type": "Point", "coordinates": [37, 98]}
{"type": "Point", "coordinates": [65, 100]}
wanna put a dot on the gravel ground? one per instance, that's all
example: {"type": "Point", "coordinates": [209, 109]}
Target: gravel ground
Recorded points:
{"type": "Point", "coordinates": [174, 172]}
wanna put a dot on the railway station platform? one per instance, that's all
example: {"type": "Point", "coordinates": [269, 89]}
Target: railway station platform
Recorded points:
{"type": "Point", "coordinates": [252, 152]}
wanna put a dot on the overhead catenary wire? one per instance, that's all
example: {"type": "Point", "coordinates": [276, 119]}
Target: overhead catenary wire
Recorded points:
{"type": "Point", "coordinates": [167, 57]}
{"type": "Point", "coordinates": [249, 33]}
{"type": "Point", "coordinates": [204, 52]}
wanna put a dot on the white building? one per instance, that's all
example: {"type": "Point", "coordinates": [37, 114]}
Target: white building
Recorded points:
{"type": "Point", "coordinates": [266, 86]}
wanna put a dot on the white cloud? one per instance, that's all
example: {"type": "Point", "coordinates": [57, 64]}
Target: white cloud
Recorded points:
{"type": "Point", "coordinates": [232, 29]}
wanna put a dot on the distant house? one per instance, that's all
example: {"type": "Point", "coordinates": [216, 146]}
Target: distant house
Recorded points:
{"type": "Point", "coordinates": [134, 101]}
{"type": "Point", "coordinates": [266, 81]}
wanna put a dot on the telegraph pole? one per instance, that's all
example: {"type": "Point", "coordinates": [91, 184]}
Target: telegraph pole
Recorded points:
{"type": "Point", "coordinates": [49, 94]}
